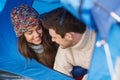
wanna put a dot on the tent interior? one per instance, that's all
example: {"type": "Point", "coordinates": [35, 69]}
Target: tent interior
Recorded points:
{"type": "Point", "coordinates": [95, 16]}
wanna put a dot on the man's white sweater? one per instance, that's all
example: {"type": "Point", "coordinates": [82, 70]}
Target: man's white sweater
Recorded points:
{"type": "Point", "coordinates": [78, 55]}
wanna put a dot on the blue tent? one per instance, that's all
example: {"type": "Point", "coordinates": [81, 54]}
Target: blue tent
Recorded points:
{"type": "Point", "coordinates": [101, 16]}
{"type": "Point", "coordinates": [10, 58]}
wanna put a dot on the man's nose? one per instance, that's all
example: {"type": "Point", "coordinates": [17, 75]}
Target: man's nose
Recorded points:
{"type": "Point", "coordinates": [53, 39]}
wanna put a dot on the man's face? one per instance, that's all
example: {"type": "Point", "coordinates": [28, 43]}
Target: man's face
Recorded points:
{"type": "Point", "coordinates": [63, 42]}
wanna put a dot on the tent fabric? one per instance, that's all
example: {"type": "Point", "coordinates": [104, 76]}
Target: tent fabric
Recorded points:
{"type": "Point", "coordinates": [10, 58]}
{"type": "Point", "coordinates": [10, 76]}
{"type": "Point", "coordinates": [2, 4]}
{"type": "Point", "coordinates": [108, 29]}
{"type": "Point", "coordinates": [44, 6]}
{"type": "Point", "coordinates": [99, 67]}
{"type": "Point", "coordinates": [101, 13]}
{"type": "Point", "coordinates": [88, 12]}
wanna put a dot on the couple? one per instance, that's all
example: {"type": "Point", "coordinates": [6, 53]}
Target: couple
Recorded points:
{"type": "Point", "coordinates": [36, 38]}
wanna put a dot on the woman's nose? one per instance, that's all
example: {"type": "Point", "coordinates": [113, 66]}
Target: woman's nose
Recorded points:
{"type": "Point", "coordinates": [36, 33]}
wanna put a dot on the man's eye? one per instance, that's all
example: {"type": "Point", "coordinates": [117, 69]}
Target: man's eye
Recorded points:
{"type": "Point", "coordinates": [54, 37]}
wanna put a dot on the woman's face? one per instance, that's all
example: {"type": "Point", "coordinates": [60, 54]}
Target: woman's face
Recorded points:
{"type": "Point", "coordinates": [34, 35]}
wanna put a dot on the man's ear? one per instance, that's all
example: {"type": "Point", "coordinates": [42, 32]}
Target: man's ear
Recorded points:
{"type": "Point", "coordinates": [68, 36]}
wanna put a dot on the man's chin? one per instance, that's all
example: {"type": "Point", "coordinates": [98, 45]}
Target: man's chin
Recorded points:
{"type": "Point", "coordinates": [63, 47]}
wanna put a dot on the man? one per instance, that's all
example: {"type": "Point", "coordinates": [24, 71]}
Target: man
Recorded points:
{"type": "Point", "coordinates": [75, 39]}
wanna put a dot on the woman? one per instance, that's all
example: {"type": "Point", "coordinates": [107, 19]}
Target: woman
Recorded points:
{"type": "Point", "coordinates": [34, 40]}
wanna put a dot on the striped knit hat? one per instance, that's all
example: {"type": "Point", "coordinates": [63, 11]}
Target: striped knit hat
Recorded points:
{"type": "Point", "coordinates": [23, 18]}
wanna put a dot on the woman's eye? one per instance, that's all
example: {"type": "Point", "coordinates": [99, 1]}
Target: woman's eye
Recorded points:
{"type": "Point", "coordinates": [38, 28]}
{"type": "Point", "coordinates": [29, 32]}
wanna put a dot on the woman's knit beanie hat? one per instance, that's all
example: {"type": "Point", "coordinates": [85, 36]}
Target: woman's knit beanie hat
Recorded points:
{"type": "Point", "coordinates": [23, 18]}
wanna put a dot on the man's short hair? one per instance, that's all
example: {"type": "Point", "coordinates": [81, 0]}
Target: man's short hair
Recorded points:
{"type": "Point", "coordinates": [62, 22]}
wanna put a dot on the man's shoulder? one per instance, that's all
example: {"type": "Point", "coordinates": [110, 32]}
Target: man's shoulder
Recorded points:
{"type": "Point", "coordinates": [61, 49]}
{"type": "Point", "coordinates": [63, 52]}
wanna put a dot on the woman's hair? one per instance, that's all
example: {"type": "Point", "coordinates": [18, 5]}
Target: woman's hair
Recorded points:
{"type": "Point", "coordinates": [50, 48]}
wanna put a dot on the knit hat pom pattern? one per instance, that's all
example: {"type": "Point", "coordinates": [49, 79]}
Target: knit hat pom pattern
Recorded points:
{"type": "Point", "coordinates": [23, 18]}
